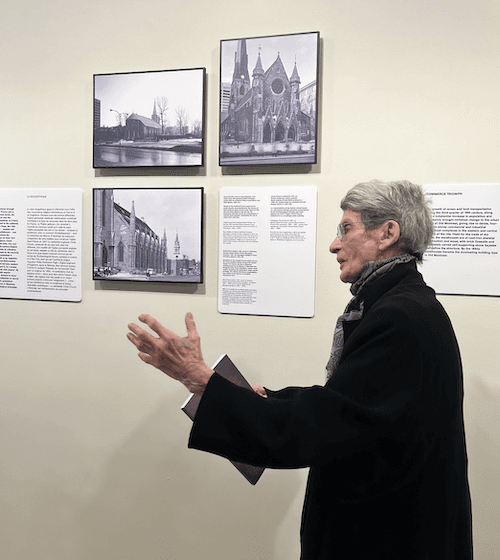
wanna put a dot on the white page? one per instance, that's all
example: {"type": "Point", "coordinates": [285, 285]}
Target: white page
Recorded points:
{"type": "Point", "coordinates": [41, 244]}
{"type": "Point", "coordinates": [464, 255]}
{"type": "Point", "coordinates": [267, 249]}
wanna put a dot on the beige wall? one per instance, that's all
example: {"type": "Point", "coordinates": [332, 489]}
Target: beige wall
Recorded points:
{"type": "Point", "coordinates": [94, 463]}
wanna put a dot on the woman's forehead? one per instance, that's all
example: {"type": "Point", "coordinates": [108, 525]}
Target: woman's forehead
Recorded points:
{"type": "Point", "coordinates": [350, 216]}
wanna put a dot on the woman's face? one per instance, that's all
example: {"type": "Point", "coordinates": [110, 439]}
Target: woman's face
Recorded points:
{"type": "Point", "coordinates": [357, 247]}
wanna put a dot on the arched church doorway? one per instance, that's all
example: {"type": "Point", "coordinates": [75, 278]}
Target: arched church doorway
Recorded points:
{"type": "Point", "coordinates": [280, 133]}
{"type": "Point", "coordinates": [267, 133]}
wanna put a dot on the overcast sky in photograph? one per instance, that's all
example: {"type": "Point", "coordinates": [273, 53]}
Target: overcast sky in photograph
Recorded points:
{"type": "Point", "coordinates": [135, 93]}
{"type": "Point", "coordinates": [302, 48]}
{"type": "Point", "coordinates": [170, 209]}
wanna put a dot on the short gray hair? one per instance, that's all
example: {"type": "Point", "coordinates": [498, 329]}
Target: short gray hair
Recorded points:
{"type": "Point", "coordinates": [401, 201]}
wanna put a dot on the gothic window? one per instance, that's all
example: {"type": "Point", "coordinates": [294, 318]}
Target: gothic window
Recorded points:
{"type": "Point", "coordinates": [280, 133]}
{"type": "Point", "coordinates": [120, 251]}
{"type": "Point", "coordinates": [267, 133]}
{"type": "Point", "coordinates": [244, 126]}
{"type": "Point", "coordinates": [242, 90]}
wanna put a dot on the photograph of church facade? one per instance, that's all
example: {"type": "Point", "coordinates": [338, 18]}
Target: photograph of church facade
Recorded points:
{"type": "Point", "coordinates": [149, 119]}
{"type": "Point", "coordinates": [138, 127]}
{"type": "Point", "coordinates": [266, 116]}
{"type": "Point", "coordinates": [126, 247]}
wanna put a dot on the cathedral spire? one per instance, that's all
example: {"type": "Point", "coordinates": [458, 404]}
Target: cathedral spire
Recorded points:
{"type": "Point", "coordinates": [258, 70]}
{"type": "Point", "coordinates": [241, 61]}
{"type": "Point", "coordinates": [295, 75]}
{"type": "Point", "coordinates": [155, 116]}
{"type": "Point", "coordinates": [241, 80]}
{"type": "Point", "coordinates": [177, 245]}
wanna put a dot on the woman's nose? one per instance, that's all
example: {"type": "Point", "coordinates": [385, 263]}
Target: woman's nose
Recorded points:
{"type": "Point", "coordinates": [335, 246]}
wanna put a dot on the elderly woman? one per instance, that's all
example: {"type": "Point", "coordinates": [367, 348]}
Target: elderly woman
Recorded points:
{"type": "Point", "coordinates": [384, 437]}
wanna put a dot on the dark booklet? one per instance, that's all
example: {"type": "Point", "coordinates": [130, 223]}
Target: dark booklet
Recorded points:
{"type": "Point", "coordinates": [225, 368]}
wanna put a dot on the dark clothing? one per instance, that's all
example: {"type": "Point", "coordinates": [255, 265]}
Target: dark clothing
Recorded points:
{"type": "Point", "coordinates": [384, 438]}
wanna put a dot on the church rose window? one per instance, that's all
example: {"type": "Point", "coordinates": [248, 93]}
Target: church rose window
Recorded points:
{"type": "Point", "coordinates": [277, 85]}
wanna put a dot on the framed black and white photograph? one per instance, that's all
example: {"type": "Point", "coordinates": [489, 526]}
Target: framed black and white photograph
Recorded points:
{"type": "Point", "coordinates": [149, 119]}
{"type": "Point", "coordinates": [148, 234]}
{"type": "Point", "coordinates": [268, 100]}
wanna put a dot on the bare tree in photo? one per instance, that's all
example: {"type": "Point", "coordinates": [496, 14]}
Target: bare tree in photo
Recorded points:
{"type": "Point", "coordinates": [197, 128]}
{"type": "Point", "coordinates": [121, 118]}
{"type": "Point", "coordinates": [162, 108]}
{"type": "Point", "coordinates": [182, 119]}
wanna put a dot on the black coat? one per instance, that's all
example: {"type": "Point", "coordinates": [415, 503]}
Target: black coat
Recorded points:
{"type": "Point", "coordinates": [384, 437]}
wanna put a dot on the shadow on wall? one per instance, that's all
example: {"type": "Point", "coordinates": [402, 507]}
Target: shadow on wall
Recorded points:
{"type": "Point", "coordinates": [163, 501]}
{"type": "Point", "coordinates": [483, 442]}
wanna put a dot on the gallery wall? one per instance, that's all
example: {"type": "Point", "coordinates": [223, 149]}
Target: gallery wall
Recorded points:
{"type": "Point", "coordinates": [94, 461]}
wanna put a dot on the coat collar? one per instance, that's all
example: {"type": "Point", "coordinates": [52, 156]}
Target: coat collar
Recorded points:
{"type": "Point", "coordinates": [404, 273]}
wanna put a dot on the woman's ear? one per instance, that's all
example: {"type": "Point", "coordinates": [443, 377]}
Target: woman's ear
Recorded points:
{"type": "Point", "coordinates": [391, 233]}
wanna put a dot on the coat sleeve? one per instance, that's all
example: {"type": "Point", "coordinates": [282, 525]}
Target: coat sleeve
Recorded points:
{"type": "Point", "coordinates": [274, 432]}
{"type": "Point", "coordinates": [372, 419]}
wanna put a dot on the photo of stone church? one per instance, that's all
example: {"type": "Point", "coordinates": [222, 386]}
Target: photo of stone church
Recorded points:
{"type": "Point", "coordinates": [269, 116]}
{"type": "Point", "coordinates": [148, 234]}
{"type": "Point", "coordinates": [149, 119]}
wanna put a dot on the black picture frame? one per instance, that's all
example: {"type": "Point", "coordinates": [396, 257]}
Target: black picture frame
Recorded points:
{"type": "Point", "coordinates": [269, 100]}
{"type": "Point", "coordinates": [148, 234]}
{"type": "Point", "coordinates": [149, 119]}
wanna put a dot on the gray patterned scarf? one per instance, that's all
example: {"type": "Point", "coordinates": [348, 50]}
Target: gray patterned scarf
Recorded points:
{"type": "Point", "coordinates": [354, 310]}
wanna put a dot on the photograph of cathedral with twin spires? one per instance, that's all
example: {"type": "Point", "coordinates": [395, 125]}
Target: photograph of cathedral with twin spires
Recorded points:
{"type": "Point", "coordinates": [268, 100]}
